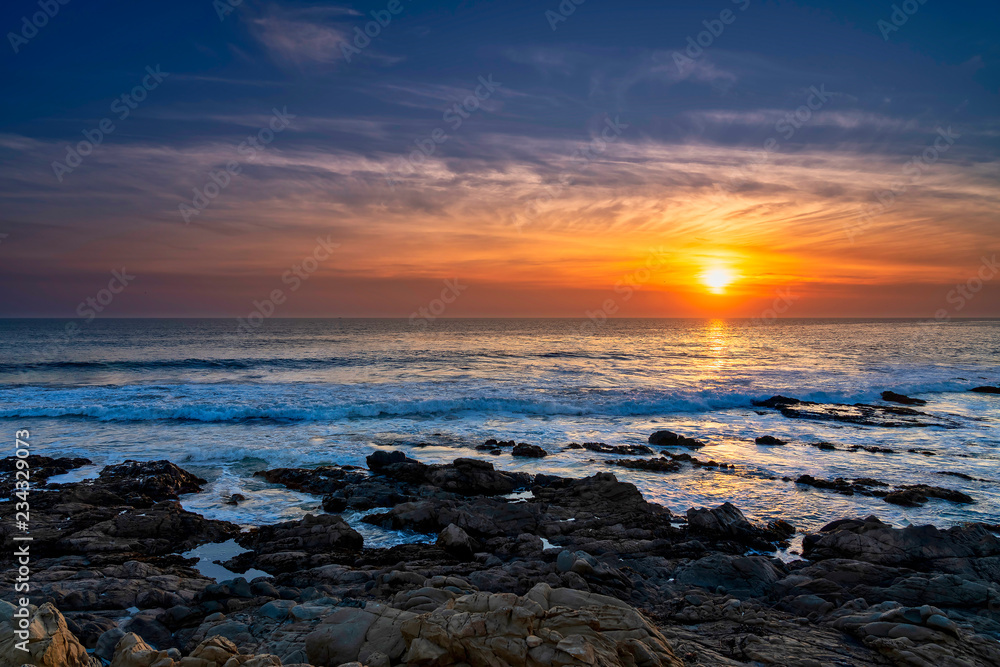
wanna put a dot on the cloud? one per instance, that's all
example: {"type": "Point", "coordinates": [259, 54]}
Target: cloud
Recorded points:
{"type": "Point", "coordinates": [304, 35]}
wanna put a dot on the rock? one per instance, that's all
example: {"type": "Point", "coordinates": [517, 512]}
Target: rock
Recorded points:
{"type": "Point", "coordinates": [132, 651]}
{"type": "Point", "coordinates": [918, 494]}
{"type": "Point", "coordinates": [671, 439]}
{"type": "Point", "coordinates": [163, 528]}
{"type": "Point", "coordinates": [893, 397]}
{"type": "Point", "coordinates": [601, 448]}
{"type": "Point", "coordinates": [356, 634]}
{"type": "Point", "coordinates": [456, 542]}
{"type": "Point", "coordinates": [728, 521]}
{"type": "Point", "coordinates": [312, 533]}
{"type": "Point", "coordinates": [159, 480]}
{"type": "Point", "coordinates": [154, 633]}
{"type": "Point", "coordinates": [107, 642]}
{"type": "Point", "coordinates": [215, 649]}
{"type": "Point", "coordinates": [49, 641]}
{"type": "Point", "coordinates": [769, 440]}
{"type": "Point", "coordinates": [986, 390]}
{"type": "Point", "coordinates": [528, 451]}
{"type": "Point", "coordinates": [380, 459]}
{"type": "Point", "coordinates": [742, 576]}
{"type": "Point", "coordinates": [544, 627]}
{"type": "Point", "coordinates": [917, 547]}
{"type": "Point", "coordinates": [654, 465]}
{"type": "Point", "coordinates": [859, 413]}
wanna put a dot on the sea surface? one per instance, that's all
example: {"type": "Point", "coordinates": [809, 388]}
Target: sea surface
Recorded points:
{"type": "Point", "coordinates": [314, 392]}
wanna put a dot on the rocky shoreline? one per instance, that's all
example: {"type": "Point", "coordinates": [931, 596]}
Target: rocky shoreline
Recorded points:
{"type": "Point", "coordinates": [525, 570]}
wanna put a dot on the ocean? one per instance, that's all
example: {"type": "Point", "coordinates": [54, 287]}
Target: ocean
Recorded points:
{"type": "Point", "coordinates": [330, 391]}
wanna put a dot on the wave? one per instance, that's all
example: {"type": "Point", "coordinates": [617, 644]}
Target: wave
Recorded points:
{"type": "Point", "coordinates": [180, 364]}
{"type": "Point", "coordinates": [304, 402]}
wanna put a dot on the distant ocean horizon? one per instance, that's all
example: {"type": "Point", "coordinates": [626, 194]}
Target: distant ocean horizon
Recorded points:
{"type": "Point", "coordinates": [312, 391]}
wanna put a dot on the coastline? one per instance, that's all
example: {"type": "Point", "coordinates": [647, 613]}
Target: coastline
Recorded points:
{"type": "Point", "coordinates": [520, 557]}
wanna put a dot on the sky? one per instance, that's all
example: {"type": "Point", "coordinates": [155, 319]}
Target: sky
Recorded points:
{"type": "Point", "coordinates": [727, 158]}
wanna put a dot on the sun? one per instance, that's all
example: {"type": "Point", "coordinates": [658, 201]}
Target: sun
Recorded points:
{"type": "Point", "coordinates": [717, 279]}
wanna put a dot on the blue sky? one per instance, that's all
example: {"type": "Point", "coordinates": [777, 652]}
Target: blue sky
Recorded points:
{"type": "Point", "coordinates": [501, 200]}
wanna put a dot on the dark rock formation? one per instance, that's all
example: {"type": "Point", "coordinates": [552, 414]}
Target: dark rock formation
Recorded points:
{"type": "Point", "coordinates": [671, 439]}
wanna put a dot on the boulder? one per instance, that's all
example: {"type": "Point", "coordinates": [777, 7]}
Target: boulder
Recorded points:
{"type": "Point", "coordinates": [893, 397]}
{"type": "Point", "coordinates": [311, 533]}
{"type": "Point", "coordinates": [544, 627]}
{"type": "Point", "coordinates": [49, 642]}
{"type": "Point", "coordinates": [741, 576]}
{"type": "Point", "coordinates": [456, 542]}
{"type": "Point", "coordinates": [961, 548]}
{"type": "Point", "coordinates": [528, 451]}
{"type": "Point", "coordinates": [357, 634]}
{"type": "Point", "coordinates": [159, 480]}
{"type": "Point", "coordinates": [671, 439]}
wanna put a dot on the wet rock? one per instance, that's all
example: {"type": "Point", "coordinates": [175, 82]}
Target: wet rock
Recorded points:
{"type": "Point", "coordinates": [380, 459]}
{"type": "Point", "coordinates": [320, 480]}
{"type": "Point", "coordinates": [961, 548]}
{"type": "Point", "coordinates": [41, 467]}
{"type": "Point", "coordinates": [466, 477]}
{"type": "Point", "coordinates": [727, 521]}
{"type": "Point", "coordinates": [825, 446]}
{"type": "Point", "coordinates": [918, 494]}
{"type": "Point", "coordinates": [311, 534]}
{"type": "Point", "coordinates": [671, 439]}
{"type": "Point", "coordinates": [159, 480]}
{"type": "Point", "coordinates": [873, 449]}
{"type": "Point", "coordinates": [163, 528]}
{"type": "Point", "coordinates": [653, 465]}
{"type": "Point", "coordinates": [493, 445]}
{"type": "Point", "coordinates": [769, 440]}
{"type": "Point", "coordinates": [889, 416]}
{"type": "Point", "coordinates": [864, 486]}
{"type": "Point", "coordinates": [893, 397]}
{"type": "Point", "coordinates": [528, 451]}
{"type": "Point", "coordinates": [986, 390]}
{"type": "Point", "coordinates": [629, 450]}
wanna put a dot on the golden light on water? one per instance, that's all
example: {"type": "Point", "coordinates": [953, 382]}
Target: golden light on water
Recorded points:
{"type": "Point", "coordinates": [717, 278]}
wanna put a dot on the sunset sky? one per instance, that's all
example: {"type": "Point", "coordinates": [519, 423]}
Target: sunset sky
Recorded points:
{"type": "Point", "coordinates": [608, 155]}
